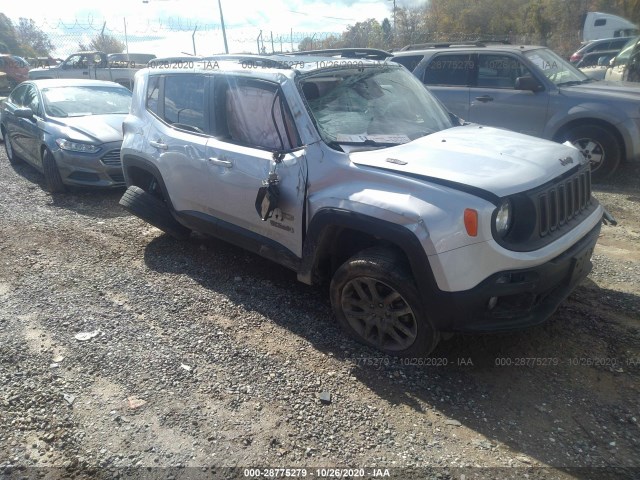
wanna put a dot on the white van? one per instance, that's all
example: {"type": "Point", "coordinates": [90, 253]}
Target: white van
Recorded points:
{"type": "Point", "coordinates": [598, 25]}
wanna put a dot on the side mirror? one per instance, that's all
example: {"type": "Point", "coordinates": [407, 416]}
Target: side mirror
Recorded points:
{"type": "Point", "coordinates": [527, 83]}
{"type": "Point", "coordinates": [612, 62]}
{"type": "Point", "coordinates": [23, 112]}
{"type": "Point", "coordinates": [602, 61]}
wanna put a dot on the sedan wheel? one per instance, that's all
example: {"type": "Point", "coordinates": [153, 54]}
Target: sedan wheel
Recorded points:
{"type": "Point", "coordinates": [52, 178]}
{"type": "Point", "coordinates": [9, 148]}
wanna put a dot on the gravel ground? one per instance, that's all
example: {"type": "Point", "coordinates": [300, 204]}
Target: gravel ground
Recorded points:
{"type": "Point", "coordinates": [198, 354]}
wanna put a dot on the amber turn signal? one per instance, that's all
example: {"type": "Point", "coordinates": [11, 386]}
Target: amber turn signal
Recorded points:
{"type": "Point", "coordinates": [471, 221]}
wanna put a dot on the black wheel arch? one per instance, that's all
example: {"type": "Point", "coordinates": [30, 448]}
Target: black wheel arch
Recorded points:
{"type": "Point", "coordinates": [334, 235]}
{"type": "Point", "coordinates": [141, 172]}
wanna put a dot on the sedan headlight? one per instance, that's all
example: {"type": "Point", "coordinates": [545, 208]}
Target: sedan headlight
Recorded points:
{"type": "Point", "coordinates": [65, 144]}
{"type": "Point", "coordinates": [503, 218]}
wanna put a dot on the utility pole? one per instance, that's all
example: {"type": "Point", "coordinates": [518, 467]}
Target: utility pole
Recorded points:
{"type": "Point", "coordinates": [224, 33]}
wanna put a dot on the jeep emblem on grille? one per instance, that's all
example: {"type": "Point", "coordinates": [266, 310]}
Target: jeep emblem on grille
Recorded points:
{"type": "Point", "coordinates": [566, 161]}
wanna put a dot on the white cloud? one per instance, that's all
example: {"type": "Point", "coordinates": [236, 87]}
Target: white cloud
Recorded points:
{"type": "Point", "coordinates": [175, 20]}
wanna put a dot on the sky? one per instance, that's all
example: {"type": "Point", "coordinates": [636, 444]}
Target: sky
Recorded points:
{"type": "Point", "coordinates": [165, 27]}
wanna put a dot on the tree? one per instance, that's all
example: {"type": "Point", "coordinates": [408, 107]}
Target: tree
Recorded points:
{"type": "Point", "coordinates": [387, 32]}
{"type": "Point", "coordinates": [364, 34]}
{"type": "Point", "coordinates": [8, 36]}
{"type": "Point", "coordinates": [33, 41]}
{"type": "Point", "coordinates": [104, 43]}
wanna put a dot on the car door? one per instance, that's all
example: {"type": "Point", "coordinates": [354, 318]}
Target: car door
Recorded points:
{"type": "Point", "coordinates": [252, 121]}
{"type": "Point", "coordinates": [20, 130]}
{"type": "Point", "coordinates": [30, 127]}
{"type": "Point", "coordinates": [494, 101]}
{"type": "Point", "coordinates": [448, 76]}
{"type": "Point", "coordinates": [76, 66]}
{"type": "Point", "coordinates": [178, 142]}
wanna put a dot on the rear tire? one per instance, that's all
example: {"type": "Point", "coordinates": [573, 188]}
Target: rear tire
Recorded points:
{"type": "Point", "coordinates": [375, 301]}
{"type": "Point", "coordinates": [153, 210]}
{"type": "Point", "coordinates": [52, 178]}
{"type": "Point", "coordinates": [599, 146]}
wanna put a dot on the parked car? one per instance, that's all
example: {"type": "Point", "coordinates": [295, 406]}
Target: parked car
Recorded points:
{"type": "Point", "coordinates": [626, 65]}
{"type": "Point", "coordinates": [16, 69]}
{"type": "Point", "coordinates": [595, 64]}
{"type": "Point", "coordinates": [532, 90]}
{"type": "Point", "coordinates": [595, 46]}
{"type": "Point", "coordinates": [85, 65]}
{"type": "Point", "coordinates": [70, 130]}
{"type": "Point", "coordinates": [348, 171]}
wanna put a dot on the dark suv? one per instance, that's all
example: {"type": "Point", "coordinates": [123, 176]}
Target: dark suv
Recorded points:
{"type": "Point", "coordinates": [532, 90]}
{"type": "Point", "coordinates": [602, 45]}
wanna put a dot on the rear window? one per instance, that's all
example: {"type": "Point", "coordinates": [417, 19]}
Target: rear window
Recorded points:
{"type": "Point", "coordinates": [409, 61]}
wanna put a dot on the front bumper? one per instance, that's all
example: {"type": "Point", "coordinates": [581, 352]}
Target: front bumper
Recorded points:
{"type": "Point", "coordinates": [101, 169]}
{"type": "Point", "coordinates": [522, 297]}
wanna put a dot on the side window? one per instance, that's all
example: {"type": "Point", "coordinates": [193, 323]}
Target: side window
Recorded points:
{"type": "Point", "coordinates": [253, 114]}
{"type": "Point", "coordinates": [31, 100]}
{"type": "Point", "coordinates": [153, 93]}
{"type": "Point", "coordinates": [601, 47]}
{"type": "Point", "coordinates": [17, 96]}
{"type": "Point", "coordinates": [600, 22]}
{"type": "Point", "coordinates": [410, 61]}
{"type": "Point", "coordinates": [451, 70]}
{"type": "Point", "coordinates": [184, 101]}
{"type": "Point", "coordinates": [499, 71]}
{"type": "Point", "coordinates": [76, 61]}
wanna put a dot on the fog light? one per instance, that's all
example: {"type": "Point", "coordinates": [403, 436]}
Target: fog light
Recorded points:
{"type": "Point", "coordinates": [493, 301]}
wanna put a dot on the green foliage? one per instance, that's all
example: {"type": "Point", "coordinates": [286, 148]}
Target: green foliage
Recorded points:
{"type": "Point", "coordinates": [33, 41]}
{"type": "Point", "coordinates": [8, 36]}
{"type": "Point", "coordinates": [104, 43]}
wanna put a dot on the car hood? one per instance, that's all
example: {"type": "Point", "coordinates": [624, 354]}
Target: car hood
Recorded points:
{"type": "Point", "coordinates": [92, 128]}
{"type": "Point", "coordinates": [491, 159]}
{"type": "Point", "coordinates": [605, 89]}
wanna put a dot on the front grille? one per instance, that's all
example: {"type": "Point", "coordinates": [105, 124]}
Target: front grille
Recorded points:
{"type": "Point", "coordinates": [561, 202]}
{"type": "Point", "coordinates": [112, 158]}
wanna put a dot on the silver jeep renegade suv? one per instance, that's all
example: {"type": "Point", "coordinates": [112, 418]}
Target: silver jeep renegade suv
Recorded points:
{"type": "Point", "coordinates": [348, 171]}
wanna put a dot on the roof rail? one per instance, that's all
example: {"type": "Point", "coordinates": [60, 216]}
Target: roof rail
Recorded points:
{"type": "Point", "coordinates": [472, 43]}
{"type": "Point", "coordinates": [366, 53]}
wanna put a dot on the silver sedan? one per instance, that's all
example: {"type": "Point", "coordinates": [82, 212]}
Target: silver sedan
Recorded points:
{"type": "Point", "coordinates": [70, 130]}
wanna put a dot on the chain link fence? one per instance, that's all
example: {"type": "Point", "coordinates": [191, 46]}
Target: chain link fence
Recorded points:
{"type": "Point", "coordinates": [184, 38]}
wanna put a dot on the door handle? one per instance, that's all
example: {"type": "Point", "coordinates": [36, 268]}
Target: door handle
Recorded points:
{"type": "Point", "coordinates": [158, 144]}
{"type": "Point", "coordinates": [222, 163]}
{"type": "Point", "coordinates": [485, 98]}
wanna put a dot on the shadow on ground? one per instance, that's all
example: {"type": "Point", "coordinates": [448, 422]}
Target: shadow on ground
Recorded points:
{"type": "Point", "coordinates": [562, 393]}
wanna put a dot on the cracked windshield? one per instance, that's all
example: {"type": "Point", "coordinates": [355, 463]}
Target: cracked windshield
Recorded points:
{"type": "Point", "coordinates": [372, 107]}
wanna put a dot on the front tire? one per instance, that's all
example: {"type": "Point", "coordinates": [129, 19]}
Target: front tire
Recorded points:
{"type": "Point", "coordinates": [599, 145]}
{"type": "Point", "coordinates": [8, 146]}
{"type": "Point", "coordinates": [375, 301]}
{"type": "Point", "coordinates": [52, 178]}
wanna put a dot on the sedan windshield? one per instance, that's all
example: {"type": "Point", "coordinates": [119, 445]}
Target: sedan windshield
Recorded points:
{"type": "Point", "coordinates": [372, 106]}
{"type": "Point", "coordinates": [555, 68]}
{"type": "Point", "coordinates": [75, 101]}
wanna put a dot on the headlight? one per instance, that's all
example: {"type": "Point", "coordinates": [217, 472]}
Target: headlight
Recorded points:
{"type": "Point", "coordinates": [65, 144]}
{"type": "Point", "coordinates": [503, 218]}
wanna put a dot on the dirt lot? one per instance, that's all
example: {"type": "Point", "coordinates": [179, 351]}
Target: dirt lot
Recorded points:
{"type": "Point", "coordinates": [207, 356]}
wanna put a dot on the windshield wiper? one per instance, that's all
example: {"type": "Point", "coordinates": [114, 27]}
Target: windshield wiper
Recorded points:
{"type": "Point", "coordinates": [370, 143]}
